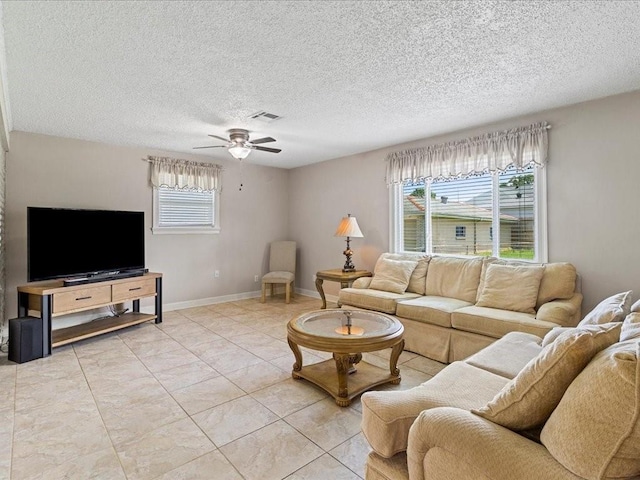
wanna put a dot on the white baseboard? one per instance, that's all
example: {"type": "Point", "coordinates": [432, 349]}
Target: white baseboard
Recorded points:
{"type": "Point", "coordinates": [168, 307]}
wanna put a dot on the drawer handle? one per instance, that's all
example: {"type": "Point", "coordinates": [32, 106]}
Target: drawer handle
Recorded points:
{"type": "Point", "coordinates": [136, 288]}
{"type": "Point", "coordinates": [84, 298]}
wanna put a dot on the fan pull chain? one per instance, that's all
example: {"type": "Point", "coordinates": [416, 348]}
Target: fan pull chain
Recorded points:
{"type": "Point", "coordinates": [241, 163]}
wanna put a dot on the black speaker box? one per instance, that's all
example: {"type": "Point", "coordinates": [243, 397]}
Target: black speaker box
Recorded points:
{"type": "Point", "coordinates": [25, 339]}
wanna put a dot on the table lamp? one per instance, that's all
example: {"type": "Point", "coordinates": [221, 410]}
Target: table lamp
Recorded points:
{"type": "Point", "coordinates": [348, 228]}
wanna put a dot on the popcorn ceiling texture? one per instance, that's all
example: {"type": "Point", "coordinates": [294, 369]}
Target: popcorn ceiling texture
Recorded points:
{"type": "Point", "coordinates": [346, 77]}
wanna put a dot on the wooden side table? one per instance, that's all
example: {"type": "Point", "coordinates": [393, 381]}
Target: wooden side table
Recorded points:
{"type": "Point", "coordinates": [337, 275]}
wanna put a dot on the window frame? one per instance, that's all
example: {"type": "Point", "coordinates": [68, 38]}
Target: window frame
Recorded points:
{"type": "Point", "coordinates": [190, 229]}
{"type": "Point", "coordinates": [396, 219]}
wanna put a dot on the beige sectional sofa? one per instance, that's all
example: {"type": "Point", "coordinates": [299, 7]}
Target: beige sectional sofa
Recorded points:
{"type": "Point", "coordinates": [452, 307]}
{"type": "Point", "coordinates": [566, 406]}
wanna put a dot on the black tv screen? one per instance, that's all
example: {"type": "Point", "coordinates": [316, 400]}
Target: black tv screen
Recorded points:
{"type": "Point", "coordinates": [67, 243]}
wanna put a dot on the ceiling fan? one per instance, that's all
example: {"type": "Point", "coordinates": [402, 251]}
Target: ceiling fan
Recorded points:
{"type": "Point", "coordinates": [239, 146]}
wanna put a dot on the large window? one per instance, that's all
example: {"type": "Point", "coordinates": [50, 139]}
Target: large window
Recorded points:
{"type": "Point", "coordinates": [185, 211]}
{"type": "Point", "coordinates": [500, 214]}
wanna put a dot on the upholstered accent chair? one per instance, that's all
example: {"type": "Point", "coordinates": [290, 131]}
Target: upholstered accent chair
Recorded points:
{"type": "Point", "coordinates": [282, 268]}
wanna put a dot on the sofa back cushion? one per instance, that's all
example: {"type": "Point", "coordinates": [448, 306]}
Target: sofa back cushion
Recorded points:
{"type": "Point", "coordinates": [454, 277]}
{"type": "Point", "coordinates": [595, 430]}
{"type": "Point", "coordinates": [511, 288]}
{"type": "Point", "coordinates": [528, 400]}
{"type": "Point", "coordinates": [392, 275]}
{"type": "Point", "coordinates": [418, 277]}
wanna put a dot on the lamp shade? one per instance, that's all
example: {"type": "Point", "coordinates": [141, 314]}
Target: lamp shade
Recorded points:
{"type": "Point", "coordinates": [349, 228]}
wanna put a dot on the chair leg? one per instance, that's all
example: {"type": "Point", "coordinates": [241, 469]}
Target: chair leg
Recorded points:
{"type": "Point", "coordinates": [288, 293]}
{"type": "Point", "coordinates": [293, 289]}
{"type": "Point", "coordinates": [264, 291]}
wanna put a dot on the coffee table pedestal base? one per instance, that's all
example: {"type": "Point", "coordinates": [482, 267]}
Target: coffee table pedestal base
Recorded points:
{"type": "Point", "coordinates": [365, 377]}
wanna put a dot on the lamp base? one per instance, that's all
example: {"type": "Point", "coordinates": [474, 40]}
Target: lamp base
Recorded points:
{"type": "Point", "coordinates": [350, 269]}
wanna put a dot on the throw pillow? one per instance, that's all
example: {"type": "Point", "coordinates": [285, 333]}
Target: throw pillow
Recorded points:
{"type": "Point", "coordinates": [528, 400]}
{"type": "Point", "coordinates": [612, 309]}
{"type": "Point", "coordinates": [630, 327]}
{"type": "Point", "coordinates": [557, 331]}
{"type": "Point", "coordinates": [419, 275]}
{"type": "Point", "coordinates": [558, 282]}
{"type": "Point", "coordinates": [595, 430]}
{"type": "Point", "coordinates": [511, 288]}
{"type": "Point", "coordinates": [392, 275]}
{"type": "Point", "coordinates": [636, 306]}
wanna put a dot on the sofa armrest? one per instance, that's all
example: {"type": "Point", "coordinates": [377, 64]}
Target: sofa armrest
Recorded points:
{"type": "Point", "coordinates": [362, 282]}
{"type": "Point", "coordinates": [565, 313]}
{"type": "Point", "coordinates": [453, 443]}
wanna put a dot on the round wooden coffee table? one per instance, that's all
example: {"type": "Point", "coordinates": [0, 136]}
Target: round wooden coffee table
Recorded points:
{"type": "Point", "coordinates": [347, 334]}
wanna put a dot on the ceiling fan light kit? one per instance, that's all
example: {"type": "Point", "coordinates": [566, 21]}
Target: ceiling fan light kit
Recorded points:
{"type": "Point", "coordinates": [239, 146]}
{"type": "Point", "coordinates": [239, 152]}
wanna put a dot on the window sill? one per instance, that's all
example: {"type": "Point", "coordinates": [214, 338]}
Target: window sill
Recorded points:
{"type": "Point", "coordinates": [184, 230]}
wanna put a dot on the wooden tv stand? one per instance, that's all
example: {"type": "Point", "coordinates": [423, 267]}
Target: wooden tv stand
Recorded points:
{"type": "Point", "coordinates": [52, 299]}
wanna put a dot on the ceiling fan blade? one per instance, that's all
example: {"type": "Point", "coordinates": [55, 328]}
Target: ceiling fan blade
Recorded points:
{"type": "Point", "coordinates": [211, 146]}
{"type": "Point", "coordinates": [266, 149]}
{"type": "Point", "coordinates": [263, 140]}
{"type": "Point", "coordinates": [220, 138]}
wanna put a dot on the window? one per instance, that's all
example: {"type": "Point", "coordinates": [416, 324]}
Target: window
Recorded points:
{"type": "Point", "coordinates": [185, 211]}
{"type": "Point", "coordinates": [498, 214]}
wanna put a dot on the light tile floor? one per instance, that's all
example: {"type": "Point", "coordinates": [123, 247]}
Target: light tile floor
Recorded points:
{"type": "Point", "coordinates": [207, 394]}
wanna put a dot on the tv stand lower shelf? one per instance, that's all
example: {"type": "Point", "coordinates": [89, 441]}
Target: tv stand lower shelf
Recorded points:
{"type": "Point", "coordinates": [52, 299]}
{"type": "Point", "coordinates": [63, 336]}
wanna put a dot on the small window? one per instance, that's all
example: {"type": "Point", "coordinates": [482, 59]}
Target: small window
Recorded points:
{"type": "Point", "coordinates": [185, 211]}
{"type": "Point", "coordinates": [461, 232]}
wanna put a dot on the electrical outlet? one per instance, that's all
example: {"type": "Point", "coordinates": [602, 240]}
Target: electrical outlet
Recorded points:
{"type": "Point", "coordinates": [216, 274]}
{"type": "Point", "coordinates": [255, 278]}
{"type": "Point", "coordinates": [313, 278]}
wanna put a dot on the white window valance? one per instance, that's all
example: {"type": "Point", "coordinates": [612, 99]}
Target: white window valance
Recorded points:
{"type": "Point", "coordinates": [184, 174]}
{"type": "Point", "coordinates": [491, 152]}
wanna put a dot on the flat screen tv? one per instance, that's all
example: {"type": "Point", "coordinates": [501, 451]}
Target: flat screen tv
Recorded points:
{"type": "Point", "coordinates": [70, 243]}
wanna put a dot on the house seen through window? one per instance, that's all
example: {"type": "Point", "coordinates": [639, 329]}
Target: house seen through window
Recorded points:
{"type": "Point", "coordinates": [485, 214]}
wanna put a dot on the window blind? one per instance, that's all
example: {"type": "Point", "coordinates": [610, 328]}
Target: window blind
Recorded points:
{"type": "Point", "coordinates": [185, 208]}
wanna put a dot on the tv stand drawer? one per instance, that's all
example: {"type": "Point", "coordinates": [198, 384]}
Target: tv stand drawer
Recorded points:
{"type": "Point", "coordinates": [133, 289]}
{"type": "Point", "coordinates": [81, 298]}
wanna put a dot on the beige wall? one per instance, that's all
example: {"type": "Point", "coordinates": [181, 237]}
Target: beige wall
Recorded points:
{"type": "Point", "coordinates": [592, 203]}
{"type": "Point", "coordinates": [593, 197]}
{"type": "Point", "coordinates": [58, 172]}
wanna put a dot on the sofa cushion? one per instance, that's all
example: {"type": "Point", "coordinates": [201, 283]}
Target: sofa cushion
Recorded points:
{"type": "Point", "coordinates": [454, 277]}
{"type": "Point", "coordinates": [528, 400]}
{"type": "Point", "coordinates": [595, 430]}
{"type": "Point", "coordinates": [511, 288]}
{"type": "Point", "coordinates": [631, 327]}
{"type": "Point", "coordinates": [496, 323]}
{"type": "Point", "coordinates": [372, 299]}
{"type": "Point", "coordinates": [556, 332]}
{"type": "Point", "coordinates": [612, 309]}
{"type": "Point", "coordinates": [419, 275]}
{"type": "Point", "coordinates": [509, 355]}
{"type": "Point", "coordinates": [558, 283]}
{"type": "Point", "coordinates": [430, 309]}
{"type": "Point", "coordinates": [387, 416]}
{"type": "Point", "coordinates": [392, 275]}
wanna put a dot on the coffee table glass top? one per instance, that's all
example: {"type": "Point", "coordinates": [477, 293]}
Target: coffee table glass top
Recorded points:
{"type": "Point", "coordinates": [344, 323]}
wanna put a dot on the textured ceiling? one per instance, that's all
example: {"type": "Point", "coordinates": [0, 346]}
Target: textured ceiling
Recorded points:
{"type": "Point", "coordinates": [346, 77]}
